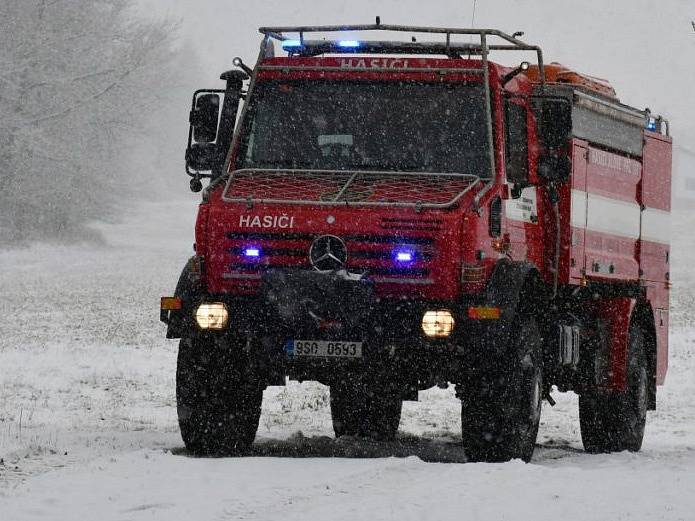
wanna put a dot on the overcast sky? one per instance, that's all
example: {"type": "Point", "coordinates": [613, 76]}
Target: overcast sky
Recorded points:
{"type": "Point", "coordinates": [646, 48]}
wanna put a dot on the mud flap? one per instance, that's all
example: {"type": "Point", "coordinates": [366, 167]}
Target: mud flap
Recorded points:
{"type": "Point", "coordinates": [615, 313]}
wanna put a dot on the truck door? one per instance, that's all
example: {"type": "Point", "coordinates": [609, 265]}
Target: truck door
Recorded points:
{"type": "Point", "coordinates": [521, 212]}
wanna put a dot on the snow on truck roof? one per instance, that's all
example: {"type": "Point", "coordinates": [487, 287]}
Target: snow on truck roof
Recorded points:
{"type": "Point", "coordinates": [556, 73]}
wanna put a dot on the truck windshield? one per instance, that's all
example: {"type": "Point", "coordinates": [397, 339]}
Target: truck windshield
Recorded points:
{"type": "Point", "coordinates": [396, 126]}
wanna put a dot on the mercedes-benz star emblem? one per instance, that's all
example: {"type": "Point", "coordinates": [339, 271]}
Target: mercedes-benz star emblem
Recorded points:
{"type": "Point", "coordinates": [328, 252]}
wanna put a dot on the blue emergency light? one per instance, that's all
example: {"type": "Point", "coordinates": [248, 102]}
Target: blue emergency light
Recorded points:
{"type": "Point", "coordinates": [252, 253]}
{"type": "Point", "coordinates": [349, 44]}
{"type": "Point", "coordinates": [292, 44]}
{"type": "Point", "coordinates": [403, 255]}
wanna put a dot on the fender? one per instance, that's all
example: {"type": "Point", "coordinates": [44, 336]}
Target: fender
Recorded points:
{"type": "Point", "coordinates": [188, 289]}
{"type": "Point", "coordinates": [510, 284]}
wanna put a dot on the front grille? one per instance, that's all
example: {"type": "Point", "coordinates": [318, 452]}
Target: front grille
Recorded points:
{"type": "Point", "coordinates": [410, 225]}
{"type": "Point", "coordinates": [367, 253]}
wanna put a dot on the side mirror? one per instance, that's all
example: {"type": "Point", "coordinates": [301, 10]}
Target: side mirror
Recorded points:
{"type": "Point", "coordinates": [555, 122]}
{"type": "Point", "coordinates": [554, 118]}
{"type": "Point", "coordinates": [211, 128]}
{"type": "Point", "coordinates": [202, 156]}
{"type": "Point", "coordinates": [205, 117]}
{"type": "Point", "coordinates": [203, 151]}
{"type": "Point", "coordinates": [554, 168]}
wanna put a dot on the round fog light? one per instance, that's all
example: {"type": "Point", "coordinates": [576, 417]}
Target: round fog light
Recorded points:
{"type": "Point", "coordinates": [438, 324]}
{"type": "Point", "coordinates": [212, 316]}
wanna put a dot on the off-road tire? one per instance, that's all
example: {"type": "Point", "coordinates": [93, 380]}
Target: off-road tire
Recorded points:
{"type": "Point", "coordinates": [501, 409]}
{"type": "Point", "coordinates": [218, 401]}
{"type": "Point", "coordinates": [366, 410]}
{"type": "Point", "coordinates": [614, 421]}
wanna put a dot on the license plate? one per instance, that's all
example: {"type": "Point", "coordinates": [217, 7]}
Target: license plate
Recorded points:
{"type": "Point", "coordinates": [324, 348]}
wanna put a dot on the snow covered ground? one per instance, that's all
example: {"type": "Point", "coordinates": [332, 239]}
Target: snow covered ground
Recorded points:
{"type": "Point", "coordinates": [88, 422]}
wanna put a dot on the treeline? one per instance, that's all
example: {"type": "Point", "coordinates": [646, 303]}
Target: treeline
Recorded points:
{"type": "Point", "coordinates": [88, 95]}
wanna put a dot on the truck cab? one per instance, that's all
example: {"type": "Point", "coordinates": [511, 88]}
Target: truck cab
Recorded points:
{"type": "Point", "coordinates": [384, 216]}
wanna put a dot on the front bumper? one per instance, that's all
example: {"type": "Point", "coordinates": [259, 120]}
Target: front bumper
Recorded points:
{"type": "Point", "coordinates": [390, 330]}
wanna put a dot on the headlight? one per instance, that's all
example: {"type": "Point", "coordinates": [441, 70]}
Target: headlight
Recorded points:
{"type": "Point", "coordinates": [438, 324]}
{"type": "Point", "coordinates": [212, 316]}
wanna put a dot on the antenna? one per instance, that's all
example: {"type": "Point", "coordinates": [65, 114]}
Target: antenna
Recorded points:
{"type": "Point", "coordinates": [470, 38]}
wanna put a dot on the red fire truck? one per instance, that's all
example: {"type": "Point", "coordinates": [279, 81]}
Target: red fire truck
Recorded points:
{"type": "Point", "coordinates": [390, 213]}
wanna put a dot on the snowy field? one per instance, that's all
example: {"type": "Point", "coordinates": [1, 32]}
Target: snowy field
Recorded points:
{"type": "Point", "coordinates": [88, 422]}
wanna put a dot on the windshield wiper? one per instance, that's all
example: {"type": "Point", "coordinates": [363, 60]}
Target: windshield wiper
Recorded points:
{"type": "Point", "coordinates": [279, 165]}
{"type": "Point", "coordinates": [382, 166]}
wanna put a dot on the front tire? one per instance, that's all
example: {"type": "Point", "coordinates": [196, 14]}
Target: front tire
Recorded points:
{"type": "Point", "coordinates": [613, 422]}
{"type": "Point", "coordinates": [218, 401]}
{"type": "Point", "coordinates": [501, 410]}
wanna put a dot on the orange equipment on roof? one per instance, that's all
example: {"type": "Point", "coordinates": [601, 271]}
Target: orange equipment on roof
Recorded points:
{"type": "Point", "coordinates": [558, 73]}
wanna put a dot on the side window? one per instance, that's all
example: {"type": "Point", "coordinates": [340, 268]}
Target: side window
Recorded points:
{"type": "Point", "coordinates": [517, 143]}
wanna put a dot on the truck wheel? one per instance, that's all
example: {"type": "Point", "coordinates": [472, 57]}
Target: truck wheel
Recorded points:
{"type": "Point", "coordinates": [218, 404]}
{"type": "Point", "coordinates": [501, 411]}
{"type": "Point", "coordinates": [365, 410]}
{"type": "Point", "coordinates": [613, 422]}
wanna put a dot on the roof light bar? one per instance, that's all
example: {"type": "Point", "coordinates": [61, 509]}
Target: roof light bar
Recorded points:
{"type": "Point", "coordinates": [349, 44]}
{"type": "Point", "coordinates": [292, 44]}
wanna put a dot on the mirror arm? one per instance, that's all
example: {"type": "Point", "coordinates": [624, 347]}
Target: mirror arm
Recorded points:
{"type": "Point", "coordinates": [523, 67]}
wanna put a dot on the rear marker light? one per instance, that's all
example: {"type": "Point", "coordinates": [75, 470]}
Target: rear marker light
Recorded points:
{"type": "Point", "coordinates": [484, 313]}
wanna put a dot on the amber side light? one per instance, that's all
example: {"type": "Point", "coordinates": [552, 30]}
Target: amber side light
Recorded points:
{"type": "Point", "coordinates": [484, 313]}
{"type": "Point", "coordinates": [170, 304]}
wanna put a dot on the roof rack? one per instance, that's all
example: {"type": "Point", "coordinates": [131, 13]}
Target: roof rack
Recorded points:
{"type": "Point", "coordinates": [304, 47]}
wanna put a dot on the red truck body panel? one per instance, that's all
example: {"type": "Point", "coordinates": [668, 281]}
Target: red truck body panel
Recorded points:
{"type": "Point", "coordinates": [611, 214]}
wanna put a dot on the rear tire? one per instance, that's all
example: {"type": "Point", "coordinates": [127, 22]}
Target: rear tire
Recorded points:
{"type": "Point", "coordinates": [613, 422]}
{"type": "Point", "coordinates": [365, 410]}
{"type": "Point", "coordinates": [218, 402]}
{"type": "Point", "coordinates": [500, 412]}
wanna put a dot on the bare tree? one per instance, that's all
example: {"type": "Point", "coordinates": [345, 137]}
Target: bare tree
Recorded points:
{"type": "Point", "coordinates": [79, 84]}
